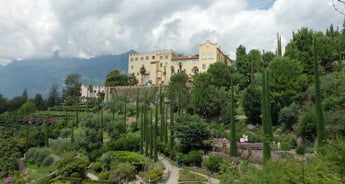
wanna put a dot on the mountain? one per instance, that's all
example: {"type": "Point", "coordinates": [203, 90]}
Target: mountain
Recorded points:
{"type": "Point", "coordinates": [39, 75]}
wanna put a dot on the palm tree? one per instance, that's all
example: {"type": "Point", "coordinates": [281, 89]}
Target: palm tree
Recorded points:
{"type": "Point", "coordinates": [142, 72]}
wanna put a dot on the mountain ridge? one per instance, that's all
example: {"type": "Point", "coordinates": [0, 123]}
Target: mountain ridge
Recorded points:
{"type": "Point", "coordinates": [38, 75]}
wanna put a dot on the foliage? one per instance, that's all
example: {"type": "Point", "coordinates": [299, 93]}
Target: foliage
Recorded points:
{"type": "Point", "coordinates": [153, 175]}
{"type": "Point", "coordinates": [221, 75]}
{"type": "Point", "coordinates": [212, 163]}
{"type": "Point", "coordinates": [27, 108]}
{"type": "Point", "coordinates": [37, 155]}
{"type": "Point", "coordinates": [123, 173]}
{"type": "Point", "coordinates": [73, 84]}
{"type": "Point", "coordinates": [54, 96]}
{"type": "Point", "coordinates": [193, 158]}
{"type": "Point", "coordinates": [207, 100]}
{"type": "Point", "coordinates": [130, 142]}
{"type": "Point", "coordinates": [288, 116]}
{"type": "Point", "coordinates": [132, 80]}
{"type": "Point", "coordinates": [116, 78]}
{"type": "Point", "coordinates": [300, 150]}
{"type": "Point", "coordinates": [291, 171]}
{"type": "Point", "coordinates": [307, 124]}
{"type": "Point", "coordinates": [111, 158]}
{"type": "Point", "coordinates": [251, 103]}
{"type": "Point", "coordinates": [97, 166]}
{"type": "Point", "coordinates": [9, 155]}
{"type": "Point", "coordinates": [48, 161]}
{"type": "Point", "coordinates": [191, 131]}
{"type": "Point", "coordinates": [300, 48]}
{"type": "Point", "coordinates": [92, 135]}
{"type": "Point", "coordinates": [177, 90]}
{"type": "Point", "coordinates": [287, 81]}
{"type": "Point", "coordinates": [72, 162]}
{"type": "Point", "coordinates": [61, 146]}
{"type": "Point", "coordinates": [3, 104]}
{"type": "Point", "coordinates": [188, 177]}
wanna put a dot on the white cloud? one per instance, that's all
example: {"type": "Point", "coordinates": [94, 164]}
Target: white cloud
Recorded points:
{"type": "Point", "coordinates": [84, 28]}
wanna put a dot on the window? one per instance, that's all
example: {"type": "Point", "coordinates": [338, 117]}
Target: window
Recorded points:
{"type": "Point", "coordinates": [136, 59]}
{"type": "Point", "coordinates": [132, 67]}
{"type": "Point", "coordinates": [161, 57]}
{"type": "Point", "coordinates": [131, 59]}
{"type": "Point", "coordinates": [203, 66]}
{"type": "Point", "coordinates": [153, 57]}
{"type": "Point", "coordinates": [211, 56]}
{"type": "Point", "coordinates": [204, 56]}
{"type": "Point", "coordinates": [147, 58]}
{"type": "Point", "coordinates": [160, 65]}
{"type": "Point", "coordinates": [142, 58]}
{"type": "Point", "coordinates": [166, 56]}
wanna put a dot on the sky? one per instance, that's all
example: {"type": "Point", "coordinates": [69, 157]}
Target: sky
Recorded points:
{"type": "Point", "coordinates": [87, 28]}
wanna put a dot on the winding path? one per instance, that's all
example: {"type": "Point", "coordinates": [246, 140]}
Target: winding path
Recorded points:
{"type": "Point", "coordinates": [174, 171]}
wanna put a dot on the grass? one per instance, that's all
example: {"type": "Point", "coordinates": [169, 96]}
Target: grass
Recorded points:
{"type": "Point", "coordinates": [36, 172]}
{"type": "Point", "coordinates": [186, 176]}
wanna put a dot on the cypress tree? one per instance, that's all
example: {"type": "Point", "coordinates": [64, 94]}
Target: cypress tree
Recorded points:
{"type": "Point", "coordinates": [155, 156]}
{"type": "Point", "coordinates": [137, 111]}
{"type": "Point", "coordinates": [146, 128]}
{"type": "Point", "coordinates": [151, 136]}
{"type": "Point", "coordinates": [142, 130]}
{"type": "Point", "coordinates": [320, 122]}
{"type": "Point", "coordinates": [161, 115]}
{"type": "Point", "coordinates": [266, 120]}
{"type": "Point", "coordinates": [171, 126]}
{"type": "Point", "coordinates": [233, 146]}
{"type": "Point", "coordinates": [125, 110]}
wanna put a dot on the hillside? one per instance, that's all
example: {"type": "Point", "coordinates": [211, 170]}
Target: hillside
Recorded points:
{"type": "Point", "coordinates": [38, 75]}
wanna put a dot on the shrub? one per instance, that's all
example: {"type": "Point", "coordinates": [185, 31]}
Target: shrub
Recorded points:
{"type": "Point", "coordinates": [212, 163]}
{"type": "Point", "coordinates": [307, 125]}
{"type": "Point", "coordinates": [154, 175]}
{"type": "Point", "coordinates": [62, 146]}
{"type": "Point", "coordinates": [36, 155]}
{"type": "Point", "coordinates": [193, 158]}
{"type": "Point", "coordinates": [65, 132]}
{"type": "Point", "coordinates": [75, 175]}
{"type": "Point", "coordinates": [288, 116]}
{"type": "Point", "coordinates": [285, 146]}
{"type": "Point", "coordinates": [131, 142]}
{"type": "Point", "coordinates": [97, 166]}
{"type": "Point", "coordinates": [300, 150]}
{"type": "Point", "coordinates": [104, 175]}
{"type": "Point", "coordinates": [48, 161]}
{"type": "Point", "coordinates": [123, 173]}
{"type": "Point", "coordinates": [110, 159]}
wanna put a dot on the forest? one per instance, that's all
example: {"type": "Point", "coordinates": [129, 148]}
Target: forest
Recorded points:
{"type": "Point", "coordinates": [271, 117]}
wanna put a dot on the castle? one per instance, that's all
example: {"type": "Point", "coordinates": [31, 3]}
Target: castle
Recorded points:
{"type": "Point", "coordinates": [157, 67]}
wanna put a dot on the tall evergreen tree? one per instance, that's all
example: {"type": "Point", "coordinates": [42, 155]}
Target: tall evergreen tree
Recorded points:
{"type": "Point", "coordinates": [320, 122]}
{"type": "Point", "coordinates": [266, 119]}
{"type": "Point", "coordinates": [233, 146]}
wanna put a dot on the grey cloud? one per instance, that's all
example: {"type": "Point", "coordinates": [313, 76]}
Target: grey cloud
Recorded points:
{"type": "Point", "coordinates": [82, 28]}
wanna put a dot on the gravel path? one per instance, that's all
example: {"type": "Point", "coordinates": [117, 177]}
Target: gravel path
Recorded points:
{"type": "Point", "coordinates": [174, 171]}
{"type": "Point", "coordinates": [92, 176]}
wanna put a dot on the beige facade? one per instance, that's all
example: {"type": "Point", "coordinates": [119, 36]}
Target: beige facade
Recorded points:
{"type": "Point", "coordinates": [161, 65]}
{"type": "Point", "coordinates": [89, 91]}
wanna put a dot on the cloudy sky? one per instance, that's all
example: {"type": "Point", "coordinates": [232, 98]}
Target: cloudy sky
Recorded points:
{"type": "Point", "coordinates": [85, 28]}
